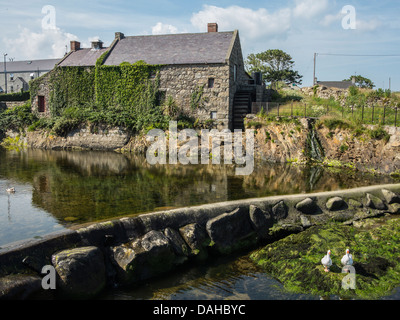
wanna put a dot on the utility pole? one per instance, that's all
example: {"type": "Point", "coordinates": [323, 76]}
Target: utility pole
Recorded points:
{"type": "Point", "coordinates": [5, 71]}
{"type": "Point", "coordinates": [315, 62]}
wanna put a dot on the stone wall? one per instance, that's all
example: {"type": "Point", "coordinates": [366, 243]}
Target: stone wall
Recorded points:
{"type": "Point", "coordinates": [132, 249]}
{"type": "Point", "coordinates": [181, 81]}
{"type": "Point", "coordinates": [11, 104]}
{"type": "Point", "coordinates": [43, 90]}
{"type": "Point", "coordinates": [84, 137]}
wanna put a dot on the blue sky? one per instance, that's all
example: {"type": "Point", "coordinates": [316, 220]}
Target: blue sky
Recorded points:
{"type": "Point", "coordinates": [299, 27]}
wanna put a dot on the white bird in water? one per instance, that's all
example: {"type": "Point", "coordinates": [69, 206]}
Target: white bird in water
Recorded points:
{"type": "Point", "coordinates": [11, 190]}
{"type": "Point", "coordinates": [347, 259]}
{"type": "Point", "coordinates": [326, 261]}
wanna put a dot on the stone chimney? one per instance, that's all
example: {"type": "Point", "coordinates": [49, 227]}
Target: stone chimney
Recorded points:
{"type": "Point", "coordinates": [119, 36]}
{"type": "Point", "coordinates": [75, 45]}
{"type": "Point", "coordinates": [212, 27]}
{"type": "Point", "coordinates": [98, 44]}
{"type": "Point", "coordinates": [353, 80]}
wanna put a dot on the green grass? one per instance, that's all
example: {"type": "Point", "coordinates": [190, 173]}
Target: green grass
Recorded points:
{"type": "Point", "coordinates": [298, 105]}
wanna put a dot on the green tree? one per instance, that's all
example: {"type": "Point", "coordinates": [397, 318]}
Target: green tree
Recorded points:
{"type": "Point", "coordinates": [275, 65]}
{"type": "Point", "coordinates": [362, 82]}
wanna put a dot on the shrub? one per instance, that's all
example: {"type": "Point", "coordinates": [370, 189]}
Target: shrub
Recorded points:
{"type": "Point", "coordinates": [63, 126]}
{"type": "Point", "coordinates": [379, 134]}
{"type": "Point", "coordinates": [16, 96]}
{"type": "Point", "coordinates": [333, 123]}
{"type": "Point", "coordinates": [17, 118]}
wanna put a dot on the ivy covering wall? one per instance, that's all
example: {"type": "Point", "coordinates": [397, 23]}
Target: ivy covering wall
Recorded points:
{"type": "Point", "coordinates": [71, 86]}
{"type": "Point", "coordinates": [124, 95]}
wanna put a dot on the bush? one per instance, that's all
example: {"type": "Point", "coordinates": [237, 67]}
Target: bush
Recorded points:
{"type": "Point", "coordinates": [63, 126]}
{"type": "Point", "coordinates": [17, 96]}
{"type": "Point", "coordinates": [379, 134]}
{"type": "Point", "coordinates": [333, 123]}
{"type": "Point", "coordinates": [17, 118]}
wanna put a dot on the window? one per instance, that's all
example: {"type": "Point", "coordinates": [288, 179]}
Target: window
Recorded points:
{"type": "Point", "coordinates": [235, 72]}
{"type": "Point", "coordinates": [210, 82]}
{"type": "Point", "coordinates": [41, 104]}
{"type": "Point", "coordinates": [32, 76]}
{"type": "Point", "coordinates": [11, 76]}
{"type": "Point", "coordinates": [213, 115]}
{"type": "Point", "coordinates": [12, 88]}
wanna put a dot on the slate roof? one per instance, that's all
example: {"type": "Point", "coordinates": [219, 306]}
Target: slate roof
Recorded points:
{"type": "Point", "coordinates": [82, 57]}
{"type": "Point", "coordinates": [184, 48]}
{"type": "Point", "coordinates": [336, 84]}
{"type": "Point", "coordinates": [29, 65]}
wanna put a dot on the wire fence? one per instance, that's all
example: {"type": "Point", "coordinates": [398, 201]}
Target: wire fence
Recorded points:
{"type": "Point", "coordinates": [375, 114]}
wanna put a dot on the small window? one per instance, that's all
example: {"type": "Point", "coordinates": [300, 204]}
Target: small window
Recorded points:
{"type": "Point", "coordinates": [11, 76]}
{"type": "Point", "coordinates": [210, 82]}
{"type": "Point", "coordinates": [41, 104]}
{"type": "Point", "coordinates": [12, 88]}
{"type": "Point", "coordinates": [235, 72]}
{"type": "Point", "coordinates": [213, 115]}
{"type": "Point", "coordinates": [32, 76]}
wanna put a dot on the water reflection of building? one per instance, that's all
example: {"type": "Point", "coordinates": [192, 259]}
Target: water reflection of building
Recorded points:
{"type": "Point", "coordinates": [91, 186]}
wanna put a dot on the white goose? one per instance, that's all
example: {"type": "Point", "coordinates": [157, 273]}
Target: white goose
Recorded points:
{"type": "Point", "coordinates": [326, 261]}
{"type": "Point", "coordinates": [11, 190]}
{"type": "Point", "coordinates": [347, 259]}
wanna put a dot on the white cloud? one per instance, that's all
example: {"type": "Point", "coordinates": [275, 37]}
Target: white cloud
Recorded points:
{"type": "Point", "coordinates": [50, 43]}
{"type": "Point", "coordinates": [309, 8]}
{"type": "Point", "coordinates": [370, 25]}
{"type": "Point", "coordinates": [161, 28]}
{"type": "Point", "coordinates": [361, 25]}
{"type": "Point", "coordinates": [331, 18]}
{"type": "Point", "coordinates": [252, 24]}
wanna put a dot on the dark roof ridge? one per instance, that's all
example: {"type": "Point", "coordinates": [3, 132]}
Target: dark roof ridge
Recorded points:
{"type": "Point", "coordinates": [178, 34]}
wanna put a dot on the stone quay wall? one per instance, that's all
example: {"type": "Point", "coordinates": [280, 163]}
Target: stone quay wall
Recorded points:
{"type": "Point", "coordinates": [129, 250]}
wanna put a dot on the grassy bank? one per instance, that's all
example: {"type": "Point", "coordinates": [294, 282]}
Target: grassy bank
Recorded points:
{"type": "Point", "coordinates": [354, 105]}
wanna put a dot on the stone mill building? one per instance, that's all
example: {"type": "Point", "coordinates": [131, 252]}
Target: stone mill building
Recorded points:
{"type": "Point", "coordinates": [211, 60]}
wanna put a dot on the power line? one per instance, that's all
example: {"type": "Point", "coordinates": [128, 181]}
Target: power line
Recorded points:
{"type": "Point", "coordinates": [347, 55]}
{"type": "Point", "coordinates": [358, 55]}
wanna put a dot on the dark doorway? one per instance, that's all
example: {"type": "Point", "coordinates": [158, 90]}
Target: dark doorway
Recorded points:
{"type": "Point", "coordinates": [41, 104]}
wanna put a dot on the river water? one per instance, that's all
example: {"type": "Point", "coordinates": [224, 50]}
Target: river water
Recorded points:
{"type": "Point", "coordinates": [56, 190]}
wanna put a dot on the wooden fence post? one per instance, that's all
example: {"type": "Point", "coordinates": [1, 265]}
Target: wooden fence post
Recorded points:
{"type": "Point", "coordinates": [362, 114]}
{"type": "Point", "coordinates": [384, 113]}
{"type": "Point", "coordinates": [291, 109]}
{"type": "Point", "coordinates": [373, 109]}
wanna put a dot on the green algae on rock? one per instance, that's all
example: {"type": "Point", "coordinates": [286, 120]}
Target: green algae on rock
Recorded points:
{"type": "Point", "coordinates": [374, 244]}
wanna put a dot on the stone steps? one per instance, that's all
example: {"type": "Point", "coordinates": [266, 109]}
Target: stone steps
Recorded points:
{"type": "Point", "coordinates": [241, 107]}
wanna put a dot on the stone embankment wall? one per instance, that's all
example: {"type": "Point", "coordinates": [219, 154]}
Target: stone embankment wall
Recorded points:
{"type": "Point", "coordinates": [85, 137]}
{"type": "Point", "coordinates": [279, 142]}
{"type": "Point", "coordinates": [129, 250]}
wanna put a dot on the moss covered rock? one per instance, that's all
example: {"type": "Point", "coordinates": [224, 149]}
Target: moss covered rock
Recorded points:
{"type": "Point", "coordinates": [375, 246]}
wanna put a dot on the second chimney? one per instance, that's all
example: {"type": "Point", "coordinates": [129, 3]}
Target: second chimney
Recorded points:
{"type": "Point", "coordinates": [75, 45]}
{"type": "Point", "coordinates": [98, 44]}
{"type": "Point", "coordinates": [212, 27]}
